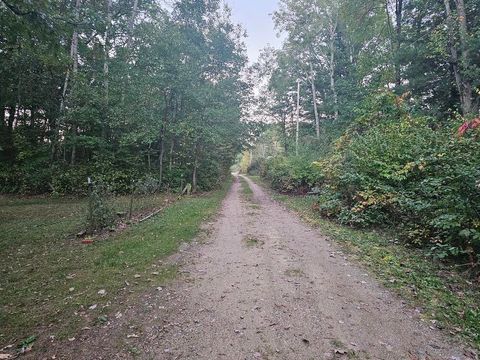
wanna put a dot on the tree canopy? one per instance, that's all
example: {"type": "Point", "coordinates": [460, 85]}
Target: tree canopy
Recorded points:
{"type": "Point", "coordinates": [118, 90]}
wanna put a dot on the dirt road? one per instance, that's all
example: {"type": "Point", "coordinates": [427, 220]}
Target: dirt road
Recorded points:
{"type": "Point", "coordinates": [266, 286]}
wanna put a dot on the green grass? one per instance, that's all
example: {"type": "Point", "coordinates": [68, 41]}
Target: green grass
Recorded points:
{"type": "Point", "coordinates": [47, 277]}
{"type": "Point", "coordinates": [448, 299]}
{"type": "Point", "coordinates": [252, 241]}
{"type": "Point", "coordinates": [246, 190]}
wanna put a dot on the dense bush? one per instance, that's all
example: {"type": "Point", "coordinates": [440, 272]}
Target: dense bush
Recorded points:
{"type": "Point", "coordinates": [289, 175]}
{"type": "Point", "coordinates": [392, 168]}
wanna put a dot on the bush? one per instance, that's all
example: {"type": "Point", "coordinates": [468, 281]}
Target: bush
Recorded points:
{"type": "Point", "coordinates": [392, 168]}
{"type": "Point", "coordinates": [99, 214]}
{"type": "Point", "coordinates": [291, 175]}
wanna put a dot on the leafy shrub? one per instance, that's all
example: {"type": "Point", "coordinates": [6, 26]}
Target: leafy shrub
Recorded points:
{"type": "Point", "coordinates": [392, 168]}
{"type": "Point", "coordinates": [99, 214]}
{"type": "Point", "coordinates": [289, 175]}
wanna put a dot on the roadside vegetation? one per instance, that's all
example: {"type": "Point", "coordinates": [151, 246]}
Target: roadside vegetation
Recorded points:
{"type": "Point", "coordinates": [53, 284]}
{"type": "Point", "coordinates": [446, 298]}
{"type": "Point", "coordinates": [374, 113]}
{"type": "Point", "coordinates": [120, 92]}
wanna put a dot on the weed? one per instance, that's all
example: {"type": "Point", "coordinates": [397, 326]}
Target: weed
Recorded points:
{"type": "Point", "coordinates": [294, 272]}
{"type": "Point", "coordinates": [252, 241]}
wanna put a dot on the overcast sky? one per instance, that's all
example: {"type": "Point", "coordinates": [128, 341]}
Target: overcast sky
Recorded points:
{"type": "Point", "coordinates": [256, 17]}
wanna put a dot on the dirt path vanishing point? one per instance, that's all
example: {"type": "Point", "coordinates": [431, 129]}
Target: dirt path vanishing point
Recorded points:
{"type": "Point", "coordinates": [266, 286]}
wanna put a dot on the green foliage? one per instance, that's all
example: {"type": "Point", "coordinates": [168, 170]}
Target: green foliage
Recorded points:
{"type": "Point", "coordinates": [288, 175]}
{"type": "Point", "coordinates": [99, 214]}
{"type": "Point", "coordinates": [396, 169]}
{"type": "Point", "coordinates": [158, 95]}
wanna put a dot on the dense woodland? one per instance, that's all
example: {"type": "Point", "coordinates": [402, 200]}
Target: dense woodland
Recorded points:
{"type": "Point", "coordinates": [122, 91]}
{"type": "Point", "coordinates": [387, 129]}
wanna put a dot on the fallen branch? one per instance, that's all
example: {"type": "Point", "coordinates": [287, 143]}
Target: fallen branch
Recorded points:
{"type": "Point", "coordinates": [151, 215]}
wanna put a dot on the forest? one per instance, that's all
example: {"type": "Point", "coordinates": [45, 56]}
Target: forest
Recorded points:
{"type": "Point", "coordinates": [165, 195]}
{"type": "Point", "coordinates": [123, 92]}
{"type": "Point", "coordinates": [373, 106]}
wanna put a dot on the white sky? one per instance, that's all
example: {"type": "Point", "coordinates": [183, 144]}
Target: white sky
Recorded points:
{"type": "Point", "coordinates": [255, 16]}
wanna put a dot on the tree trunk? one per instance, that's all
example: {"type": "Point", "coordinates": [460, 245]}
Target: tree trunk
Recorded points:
{"type": "Point", "coordinates": [131, 24]}
{"type": "Point", "coordinates": [73, 55]}
{"type": "Point", "coordinates": [106, 50]}
{"type": "Point", "coordinates": [297, 135]}
{"type": "Point", "coordinates": [464, 86]}
{"type": "Point", "coordinates": [284, 132]}
{"type": "Point", "coordinates": [149, 157]}
{"type": "Point", "coordinates": [7, 141]}
{"type": "Point", "coordinates": [195, 167]}
{"type": "Point", "coordinates": [465, 65]}
{"type": "Point", "coordinates": [314, 98]}
{"type": "Point", "coordinates": [74, 146]}
{"type": "Point", "coordinates": [160, 160]}
{"type": "Point", "coordinates": [74, 59]}
{"type": "Point", "coordinates": [172, 145]}
{"type": "Point", "coordinates": [333, 34]}
{"type": "Point", "coordinates": [398, 30]}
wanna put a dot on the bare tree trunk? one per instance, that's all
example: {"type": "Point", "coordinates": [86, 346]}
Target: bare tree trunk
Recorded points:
{"type": "Point", "coordinates": [333, 35]}
{"type": "Point", "coordinates": [195, 168]}
{"type": "Point", "coordinates": [149, 156]}
{"type": "Point", "coordinates": [74, 58]}
{"type": "Point", "coordinates": [172, 145]}
{"type": "Point", "coordinates": [314, 98]}
{"type": "Point", "coordinates": [453, 51]}
{"type": "Point", "coordinates": [131, 24]}
{"type": "Point", "coordinates": [464, 86]}
{"type": "Point", "coordinates": [297, 135]}
{"type": "Point", "coordinates": [106, 50]}
{"type": "Point", "coordinates": [160, 160]}
{"type": "Point", "coordinates": [73, 55]}
{"type": "Point", "coordinates": [74, 147]}
{"type": "Point", "coordinates": [398, 30]}
{"type": "Point", "coordinates": [467, 85]}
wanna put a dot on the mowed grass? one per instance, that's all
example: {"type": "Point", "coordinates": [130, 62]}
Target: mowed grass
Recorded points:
{"type": "Point", "coordinates": [448, 299]}
{"type": "Point", "coordinates": [49, 280]}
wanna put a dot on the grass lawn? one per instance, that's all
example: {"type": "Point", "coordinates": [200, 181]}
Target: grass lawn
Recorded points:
{"type": "Point", "coordinates": [448, 299]}
{"type": "Point", "coordinates": [48, 279]}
